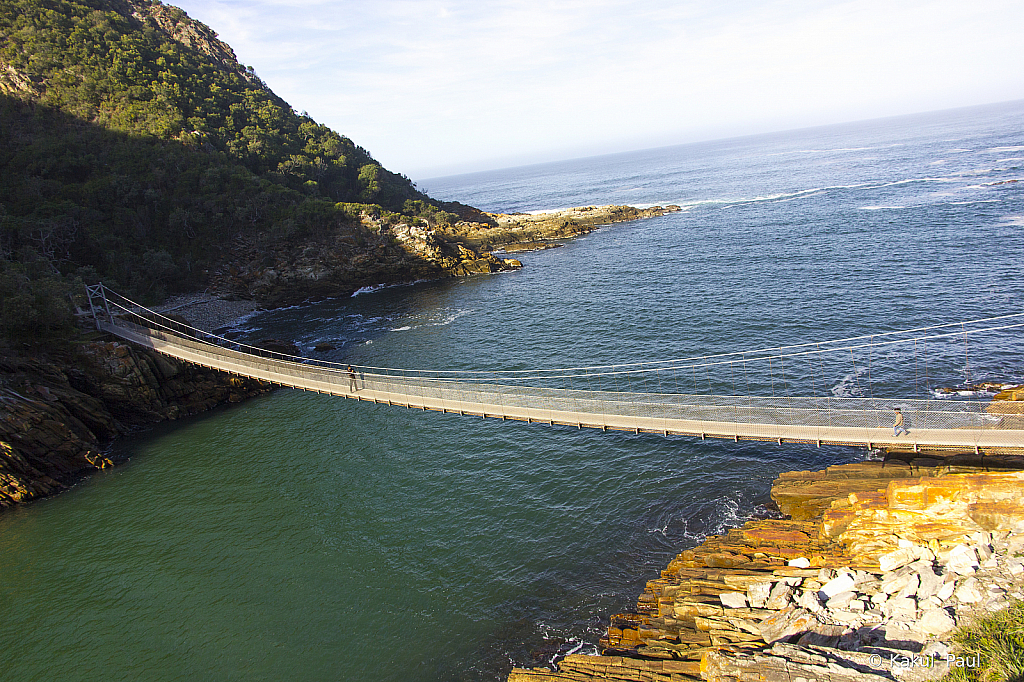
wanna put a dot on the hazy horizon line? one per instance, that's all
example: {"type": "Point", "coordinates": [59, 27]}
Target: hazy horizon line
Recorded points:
{"type": "Point", "coordinates": [512, 165]}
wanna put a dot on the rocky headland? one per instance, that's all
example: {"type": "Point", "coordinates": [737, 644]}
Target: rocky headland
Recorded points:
{"type": "Point", "coordinates": [381, 250]}
{"type": "Point", "coordinates": [864, 580]}
{"type": "Point", "coordinates": [513, 232]}
{"type": "Point", "coordinates": [59, 410]}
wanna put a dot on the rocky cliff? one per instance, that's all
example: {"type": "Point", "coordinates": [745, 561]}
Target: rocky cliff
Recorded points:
{"type": "Point", "coordinates": [368, 251]}
{"type": "Point", "coordinates": [58, 413]}
{"type": "Point", "coordinates": [382, 248]}
{"type": "Point", "coordinates": [873, 566]}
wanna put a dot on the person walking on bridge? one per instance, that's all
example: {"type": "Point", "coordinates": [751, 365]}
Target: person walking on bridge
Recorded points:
{"type": "Point", "coordinates": [897, 425]}
{"type": "Point", "coordinates": [352, 380]}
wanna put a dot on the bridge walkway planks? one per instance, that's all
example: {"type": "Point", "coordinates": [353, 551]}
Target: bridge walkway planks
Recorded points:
{"type": "Point", "coordinates": [614, 411]}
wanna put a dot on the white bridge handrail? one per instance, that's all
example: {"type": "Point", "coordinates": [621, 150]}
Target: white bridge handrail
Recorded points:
{"type": "Point", "coordinates": [932, 424]}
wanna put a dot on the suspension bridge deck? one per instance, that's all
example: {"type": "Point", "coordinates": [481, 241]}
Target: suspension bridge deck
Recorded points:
{"type": "Point", "coordinates": [933, 424]}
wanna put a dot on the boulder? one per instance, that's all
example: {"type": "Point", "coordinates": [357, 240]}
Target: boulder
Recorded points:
{"type": "Point", "coordinates": [841, 583]}
{"type": "Point", "coordinates": [936, 622]}
{"type": "Point", "coordinates": [733, 600]}
{"type": "Point", "coordinates": [946, 591]}
{"type": "Point", "coordinates": [895, 582]}
{"type": "Point", "coordinates": [279, 347]}
{"type": "Point", "coordinates": [896, 559]}
{"type": "Point", "coordinates": [808, 599]}
{"type": "Point", "coordinates": [900, 607]}
{"type": "Point", "coordinates": [848, 617]}
{"type": "Point", "coordinates": [962, 560]}
{"type": "Point", "coordinates": [822, 636]}
{"type": "Point", "coordinates": [1015, 543]}
{"type": "Point", "coordinates": [902, 635]}
{"type": "Point", "coordinates": [758, 593]}
{"type": "Point", "coordinates": [786, 624]}
{"type": "Point", "coordinates": [780, 596]}
{"type": "Point", "coordinates": [910, 589]}
{"type": "Point", "coordinates": [969, 591]}
{"type": "Point", "coordinates": [930, 584]}
{"type": "Point", "coordinates": [841, 600]}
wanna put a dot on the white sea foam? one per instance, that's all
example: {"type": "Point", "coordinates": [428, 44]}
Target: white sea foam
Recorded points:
{"type": "Point", "coordinates": [837, 149]}
{"type": "Point", "coordinates": [977, 201]}
{"type": "Point", "coordinates": [400, 329]}
{"type": "Point", "coordinates": [907, 181]}
{"type": "Point", "coordinates": [879, 208]}
{"type": "Point", "coordinates": [726, 515]}
{"type": "Point", "coordinates": [449, 317]}
{"type": "Point", "coordinates": [1003, 150]}
{"type": "Point", "coordinates": [367, 290]}
{"type": "Point", "coordinates": [848, 386]}
{"type": "Point", "coordinates": [731, 202]}
{"type": "Point", "coordinates": [1015, 220]}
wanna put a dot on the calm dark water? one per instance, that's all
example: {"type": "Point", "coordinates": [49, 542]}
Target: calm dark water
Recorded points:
{"type": "Point", "coordinates": [303, 537]}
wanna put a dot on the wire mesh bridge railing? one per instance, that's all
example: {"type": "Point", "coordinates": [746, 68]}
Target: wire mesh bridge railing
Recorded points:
{"type": "Point", "coordinates": [639, 397]}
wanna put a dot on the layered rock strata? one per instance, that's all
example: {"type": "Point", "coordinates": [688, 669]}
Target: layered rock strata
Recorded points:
{"type": "Point", "coordinates": [875, 565]}
{"type": "Point", "coordinates": [57, 415]}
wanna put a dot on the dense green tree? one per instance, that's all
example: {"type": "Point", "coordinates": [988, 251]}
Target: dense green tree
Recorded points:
{"type": "Point", "coordinates": [134, 148]}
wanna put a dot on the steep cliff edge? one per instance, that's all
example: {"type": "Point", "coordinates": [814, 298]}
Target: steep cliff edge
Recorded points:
{"type": "Point", "coordinates": [58, 413]}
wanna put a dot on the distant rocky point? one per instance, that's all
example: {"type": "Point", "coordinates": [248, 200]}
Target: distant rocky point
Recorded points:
{"type": "Point", "coordinates": [384, 251]}
{"type": "Point", "coordinates": [531, 231]}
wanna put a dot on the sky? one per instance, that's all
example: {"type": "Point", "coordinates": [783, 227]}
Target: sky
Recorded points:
{"type": "Point", "coordinates": [439, 87]}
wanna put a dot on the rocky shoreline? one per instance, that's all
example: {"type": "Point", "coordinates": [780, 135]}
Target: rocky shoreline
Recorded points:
{"type": "Point", "coordinates": [378, 251]}
{"type": "Point", "coordinates": [60, 410]}
{"type": "Point", "coordinates": [864, 581]}
{"type": "Point", "coordinates": [59, 413]}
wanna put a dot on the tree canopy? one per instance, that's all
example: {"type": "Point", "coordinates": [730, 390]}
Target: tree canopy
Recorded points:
{"type": "Point", "coordinates": [135, 148]}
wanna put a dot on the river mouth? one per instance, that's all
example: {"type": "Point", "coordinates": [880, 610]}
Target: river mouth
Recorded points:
{"type": "Point", "coordinates": [300, 536]}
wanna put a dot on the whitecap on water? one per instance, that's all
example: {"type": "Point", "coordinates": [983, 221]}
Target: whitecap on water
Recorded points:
{"type": "Point", "coordinates": [367, 290]}
{"type": "Point", "coordinates": [848, 386]}
{"type": "Point", "coordinates": [1003, 150]}
{"type": "Point", "coordinates": [448, 317]}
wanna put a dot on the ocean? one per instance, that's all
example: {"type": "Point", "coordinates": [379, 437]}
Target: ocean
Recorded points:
{"type": "Point", "coordinates": [305, 537]}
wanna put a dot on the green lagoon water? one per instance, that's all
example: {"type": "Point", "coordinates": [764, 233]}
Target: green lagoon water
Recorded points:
{"type": "Point", "coordinates": [305, 537]}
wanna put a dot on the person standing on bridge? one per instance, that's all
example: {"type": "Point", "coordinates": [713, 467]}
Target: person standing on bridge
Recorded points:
{"type": "Point", "coordinates": [897, 425]}
{"type": "Point", "coordinates": [352, 380]}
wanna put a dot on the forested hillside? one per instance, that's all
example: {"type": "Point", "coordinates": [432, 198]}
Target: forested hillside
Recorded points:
{"type": "Point", "coordinates": [135, 149]}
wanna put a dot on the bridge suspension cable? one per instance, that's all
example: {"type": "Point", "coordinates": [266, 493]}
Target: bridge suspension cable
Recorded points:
{"type": "Point", "coordinates": [589, 372]}
{"type": "Point", "coordinates": [626, 396]}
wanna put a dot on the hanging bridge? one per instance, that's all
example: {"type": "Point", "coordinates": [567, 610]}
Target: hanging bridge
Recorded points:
{"type": "Point", "coordinates": [665, 397]}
